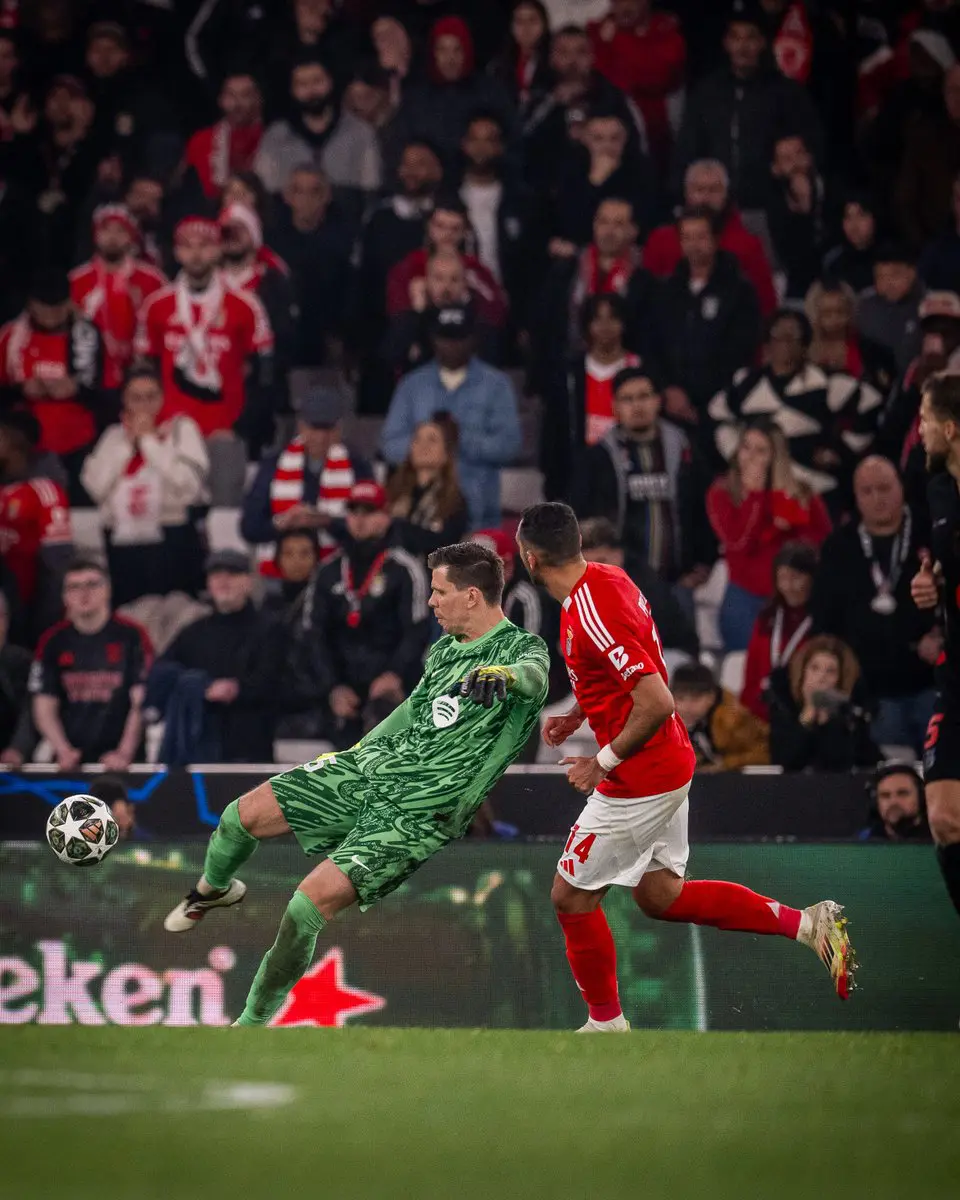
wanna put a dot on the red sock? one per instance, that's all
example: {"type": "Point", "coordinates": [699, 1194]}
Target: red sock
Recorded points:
{"type": "Point", "coordinates": [593, 960]}
{"type": "Point", "coordinates": [732, 906]}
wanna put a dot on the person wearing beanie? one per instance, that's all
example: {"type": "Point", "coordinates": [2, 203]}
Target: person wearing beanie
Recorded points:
{"type": "Point", "coordinates": [111, 288]}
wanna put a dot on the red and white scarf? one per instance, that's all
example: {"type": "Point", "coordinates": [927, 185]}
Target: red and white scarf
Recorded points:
{"type": "Point", "coordinates": [221, 150]}
{"type": "Point", "coordinates": [592, 280]}
{"type": "Point", "coordinates": [111, 294]}
{"type": "Point", "coordinates": [286, 491]}
{"type": "Point", "coordinates": [197, 312]}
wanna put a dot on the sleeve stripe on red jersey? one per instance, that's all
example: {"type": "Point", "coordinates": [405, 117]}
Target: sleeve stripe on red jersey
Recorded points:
{"type": "Point", "coordinates": [588, 600]}
{"type": "Point", "coordinates": [586, 619]}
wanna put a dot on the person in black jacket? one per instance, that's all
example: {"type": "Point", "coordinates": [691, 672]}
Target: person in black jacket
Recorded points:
{"type": "Point", "coordinates": [737, 113]}
{"type": "Point", "coordinates": [239, 652]}
{"type": "Point", "coordinates": [645, 477]}
{"type": "Point", "coordinates": [818, 724]}
{"type": "Point", "coordinates": [706, 323]}
{"type": "Point", "coordinates": [365, 626]}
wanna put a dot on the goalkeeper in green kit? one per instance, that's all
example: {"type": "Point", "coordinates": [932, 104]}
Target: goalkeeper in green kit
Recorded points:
{"type": "Point", "coordinates": [379, 810]}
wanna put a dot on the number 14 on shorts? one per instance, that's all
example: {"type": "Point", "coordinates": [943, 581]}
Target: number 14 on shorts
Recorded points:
{"type": "Point", "coordinates": [577, 848]}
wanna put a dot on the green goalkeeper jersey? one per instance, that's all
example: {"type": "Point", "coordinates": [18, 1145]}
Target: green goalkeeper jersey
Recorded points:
{"type": "Point", "coordinates": [439, 753]}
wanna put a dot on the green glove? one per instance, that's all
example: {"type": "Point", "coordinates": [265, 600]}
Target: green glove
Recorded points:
{"type": "Point", "coordinates": [483, 685]}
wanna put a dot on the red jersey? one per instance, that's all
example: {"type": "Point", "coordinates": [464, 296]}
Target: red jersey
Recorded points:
{"type": "Point", "coordinates": [33, 513]}
{"type": "Point", "coordinates": [202, 343]}
{"type": "Point", "coordinates": [111, 300]}
{"type": "Point", "coordinates": [27, 353]}
{"type": "Point", "coordinates": [609, 639]}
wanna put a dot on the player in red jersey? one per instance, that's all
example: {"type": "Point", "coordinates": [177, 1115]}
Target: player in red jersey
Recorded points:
{"type": "Point", "coordinates": [633, 831]}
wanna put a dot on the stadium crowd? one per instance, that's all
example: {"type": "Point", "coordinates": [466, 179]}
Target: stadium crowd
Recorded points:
{"type": "Point", "coordinates": [296, 293]}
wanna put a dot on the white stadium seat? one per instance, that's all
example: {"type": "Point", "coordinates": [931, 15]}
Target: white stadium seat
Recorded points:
{"type": "Point", "coordinates": [732, 672]}
{"type": "Point", "coordinates": [223, 530]}
{"type": "Point", "coordinates": [87, 531]}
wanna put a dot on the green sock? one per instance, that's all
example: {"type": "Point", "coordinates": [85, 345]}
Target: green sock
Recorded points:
{"type": "Point", "coordinates": [285, 961]}
{"type": "Point", "coordinates": [229, 847]}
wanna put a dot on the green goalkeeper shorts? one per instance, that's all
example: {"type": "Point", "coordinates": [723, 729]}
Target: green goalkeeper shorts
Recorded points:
{"type": "Point", "coordinates": [334, 810]}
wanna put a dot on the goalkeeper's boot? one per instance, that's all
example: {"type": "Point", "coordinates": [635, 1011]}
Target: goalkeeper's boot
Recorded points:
{"type": "Point", "coordinates": [824, 929]}
{"type": "Point", "coordinates": [617, 1025]}
{"type": "Point", "coordinates": [190, 911]}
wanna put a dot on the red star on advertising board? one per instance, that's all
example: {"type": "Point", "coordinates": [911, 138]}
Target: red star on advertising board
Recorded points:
{"type": "Point", "coordinates": [322, 997]}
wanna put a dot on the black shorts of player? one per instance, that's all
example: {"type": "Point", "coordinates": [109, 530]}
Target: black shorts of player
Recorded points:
{"type": "Point", "coordinates": [941, 750]}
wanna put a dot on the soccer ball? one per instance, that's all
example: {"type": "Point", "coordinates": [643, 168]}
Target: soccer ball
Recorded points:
{"type": "Point", "coordinates": [81, 831]}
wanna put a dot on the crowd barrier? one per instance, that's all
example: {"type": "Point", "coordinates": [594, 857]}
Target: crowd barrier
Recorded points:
{"type": "Point", "coordinates": [536, 801]}
{"type": "Point", "coordinates": [470, 940]}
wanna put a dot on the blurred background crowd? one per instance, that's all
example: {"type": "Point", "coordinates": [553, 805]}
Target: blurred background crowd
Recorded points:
{"type": "Point", "coordinates": [295, 292]}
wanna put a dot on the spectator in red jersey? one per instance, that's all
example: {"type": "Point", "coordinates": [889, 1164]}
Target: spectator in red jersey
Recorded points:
{"type": "Point", "coordinates": [232, 143]}
{"type": "Point", "coordinates": [50, 359]}
{"type": "Point", "coordinates": [707, 185]}
{"type": "Point", "coordinates": [831, 309]}
{"type": "Point", "coordinates": [643, 52]}
{"type": "Point", "coordinates": [782, 627]}
{"type": "Point", "coordinates": [146, 474]}
{"type": "Point", "coordinates": [755, 509]}
{"type": "Point", "coordinates": [306, 485]}
{"type": "Point", "coordinates": [34, 522]}
{"type": "Point", "coordinates": [111, 288]}
{"type": "Point", "coordinates": [202, 336]}
{"type": "Point", "coordinates": [87, 680]}
{"type": "Point", "coordinates": [447, 228]}
{"type": "Point", "coordinates": [523, 65]}
{"type": "Point", "coordinates": [244, 271]}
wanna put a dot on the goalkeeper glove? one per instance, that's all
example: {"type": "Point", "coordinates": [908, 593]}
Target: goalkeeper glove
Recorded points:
{"type": "Point", "coordinates": [483, 685]}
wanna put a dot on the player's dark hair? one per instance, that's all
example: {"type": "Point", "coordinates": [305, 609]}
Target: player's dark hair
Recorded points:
{"type": "Point", "coordinates": [943, 392]}
{"type": "Point", "coordinates": [85, 562]}
{"type": "Point", "coordinates": [553, 532]}
{"type": "Point", "coordinates": [693, 679]}
{"type": "Point", "coordinates": [598, 532]}
{"type": "Point", "coordinates": [469, 564]}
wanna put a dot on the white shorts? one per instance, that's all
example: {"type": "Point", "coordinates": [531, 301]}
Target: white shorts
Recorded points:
{"type": "Point", "coordinates": [615, 842]}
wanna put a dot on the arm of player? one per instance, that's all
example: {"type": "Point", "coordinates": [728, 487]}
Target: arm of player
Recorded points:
{"type": "Point", "coordinates": [652, 706]}
{"type": "Point", "coordinates": [483, 685]}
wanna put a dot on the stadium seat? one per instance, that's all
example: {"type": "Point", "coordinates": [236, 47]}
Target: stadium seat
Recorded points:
{"type": "Point", "coordinates": [732, 671]}
{"type": "Point", "coordinates": [87, 531]}
{"type": "Point", "coordinates": [519, 488]}
{"type": "Point", "coordinates": [223, 530]}
{"type": "Point", "coordinates": [707, 600]}
{"type": "Point", "coordinates": [291, 751]}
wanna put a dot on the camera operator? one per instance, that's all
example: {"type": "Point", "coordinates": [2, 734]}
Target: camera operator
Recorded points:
{"type": "Point", "coordinates": [897, 809]}
{"type": "Point", "coordinates": [817, 724]}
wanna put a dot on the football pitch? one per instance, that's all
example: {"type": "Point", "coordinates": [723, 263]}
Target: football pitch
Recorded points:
{"type": "Point", "coordinates": [365, 1114]}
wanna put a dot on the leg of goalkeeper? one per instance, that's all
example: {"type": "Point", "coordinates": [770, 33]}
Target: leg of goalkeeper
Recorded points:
{"type": "Point", "coordinates": [325, 892]}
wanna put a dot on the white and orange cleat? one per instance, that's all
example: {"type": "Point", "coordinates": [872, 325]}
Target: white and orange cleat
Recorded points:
{"type": "Point", "coordinates": [824, 930]}
{"type": "Point", "coordinates": [617, 1025]}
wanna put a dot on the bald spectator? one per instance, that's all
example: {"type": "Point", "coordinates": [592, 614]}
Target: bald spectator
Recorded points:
{"type": "Point", "coordinates": [407, 342]}
{"type": "Point", "coordinates": [862, 595]}
{"type": "Point", "coordinates": [706, 184]}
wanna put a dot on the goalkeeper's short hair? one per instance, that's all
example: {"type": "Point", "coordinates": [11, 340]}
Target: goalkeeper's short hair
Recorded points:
{"type": "Point", "coordinates": [471, 564]}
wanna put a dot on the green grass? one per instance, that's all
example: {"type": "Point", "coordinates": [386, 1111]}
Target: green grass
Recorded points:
{"type": "Point", "coordinates": [458, 1115]}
